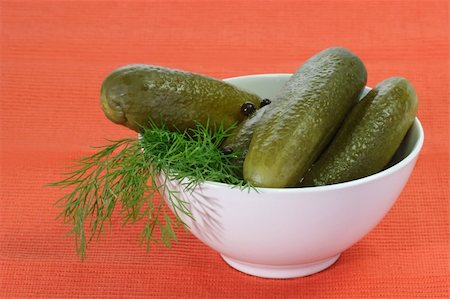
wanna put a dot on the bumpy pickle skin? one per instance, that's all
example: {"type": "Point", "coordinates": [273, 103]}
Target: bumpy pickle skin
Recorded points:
{"type": "Point", "coordinates": [304, 116]}
{"type": "Point", "coordinates": [133, 95]}
{"type": "Point", "coordinates": [370, 135]}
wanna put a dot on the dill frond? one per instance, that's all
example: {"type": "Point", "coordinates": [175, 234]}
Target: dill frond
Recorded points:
{"type": "Point", "coordinates": [126, 173]}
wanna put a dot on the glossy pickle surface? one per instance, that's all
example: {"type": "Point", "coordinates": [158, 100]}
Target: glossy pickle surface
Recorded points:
{"type": "Point", "coordinates": [134, 94]}
{"type": "Point", "coordinates": [303, 117]}
{"type": "Point", "coordinates": [370, 135]}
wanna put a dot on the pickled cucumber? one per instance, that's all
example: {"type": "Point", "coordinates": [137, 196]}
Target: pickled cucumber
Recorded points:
{"type": "Point", "coordinates": [307, 113]}
{"type": "Point", "coordinates": [134, 95]}
{"type": "Point", "coordinates": [370, 135]}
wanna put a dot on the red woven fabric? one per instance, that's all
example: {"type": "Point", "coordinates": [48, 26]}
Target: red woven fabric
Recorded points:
{"type": "Point", "coordinates": [54, 55]}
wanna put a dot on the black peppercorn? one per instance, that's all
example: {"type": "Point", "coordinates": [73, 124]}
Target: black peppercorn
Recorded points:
{"type": "Point", "coordinates": [248, 108]}
{"type": "Point", "coordinates": [264, 102]}
{"type": "Point", "coordinates": [227, 150]}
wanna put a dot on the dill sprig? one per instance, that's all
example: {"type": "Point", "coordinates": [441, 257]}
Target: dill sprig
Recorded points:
{"type": "Point", "coordinates": [127, 173]}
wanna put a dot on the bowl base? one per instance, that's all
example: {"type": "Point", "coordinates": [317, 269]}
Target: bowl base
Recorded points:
{"type": "Point", "coordinates": [290, 271]}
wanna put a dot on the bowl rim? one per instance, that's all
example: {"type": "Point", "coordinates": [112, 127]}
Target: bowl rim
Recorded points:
{"type": "Point", "coordinates": [258, 75]}
{"type": "Point", "coordinates": [373, 177]}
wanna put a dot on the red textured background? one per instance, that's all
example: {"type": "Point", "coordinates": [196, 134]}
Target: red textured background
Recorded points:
{"type": "Point", "coordinates": [54, 55]}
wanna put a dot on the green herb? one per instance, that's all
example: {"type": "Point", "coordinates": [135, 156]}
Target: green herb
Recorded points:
{"type": "Point", "coordinates": [127, 173]}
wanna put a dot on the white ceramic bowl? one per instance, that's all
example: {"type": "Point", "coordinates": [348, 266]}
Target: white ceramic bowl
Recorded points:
{"type": "Point", "coordinates": [293, 232]}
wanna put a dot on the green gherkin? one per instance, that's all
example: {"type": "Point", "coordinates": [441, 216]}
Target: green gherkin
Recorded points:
{"type": "Point", "coordinates": [133, 95]}
{"type": "Point", "coordinates": [370, 135]}
{"type": "Point", "coordinates": [303, 118]}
